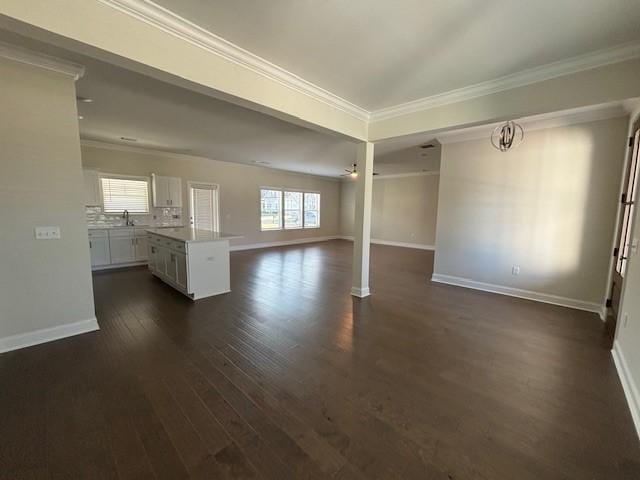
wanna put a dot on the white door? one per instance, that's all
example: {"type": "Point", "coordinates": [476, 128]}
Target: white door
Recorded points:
{"type": "Point", "coordinates": [122, 249]}
{"type": "Point", "coordinates": [181, 270]}
{"type": "Point", "coordinates": [99, 248]}
{"type": "Point", "coordinates": [175, 191]}
{"type": "Point", "coordinates": [203, 206]}
{"type": "Point", "coordinates": [91, 187]}
{"type": "Point", "coordinates": [141, 248]}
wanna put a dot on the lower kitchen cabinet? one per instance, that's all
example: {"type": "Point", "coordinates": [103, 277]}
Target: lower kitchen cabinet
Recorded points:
{"type": "Point", "coordinates": [99, 248]}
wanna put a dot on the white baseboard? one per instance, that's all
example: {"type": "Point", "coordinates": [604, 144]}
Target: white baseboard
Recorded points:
{"type": "Point", "coordinates": [282, 243]}
{"type": "Point", "coordinates": [23, 340]}
{"type": "Point", "coordinates": [360, 292]}
{"type": "Point", "coordinates": [119, 265]}
{"type": "Point", "coordinates": [520, 293]}
{"type": "Point", "coordinates": [419, 246]}
{"type": "Point", "coordinates": [629, 386]}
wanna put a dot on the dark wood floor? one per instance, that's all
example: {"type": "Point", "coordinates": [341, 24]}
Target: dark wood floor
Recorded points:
{"type": "Point", "coordinates": [290, 377]}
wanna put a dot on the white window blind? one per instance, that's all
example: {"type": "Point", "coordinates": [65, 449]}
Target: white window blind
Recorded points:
{"type": "Point", "coordinates": [119, 194]}
{"type": "Point", "coordinates": [204, 207]}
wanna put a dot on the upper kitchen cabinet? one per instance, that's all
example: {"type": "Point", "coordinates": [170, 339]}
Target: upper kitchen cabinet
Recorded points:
{"type": "Point", "coordinates": [91, 188]}
{"type": "Point", "coordinates": [167, 191]}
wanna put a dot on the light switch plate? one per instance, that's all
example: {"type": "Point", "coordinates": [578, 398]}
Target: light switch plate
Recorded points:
{"type": "Point", "coordinates": [47, 233]}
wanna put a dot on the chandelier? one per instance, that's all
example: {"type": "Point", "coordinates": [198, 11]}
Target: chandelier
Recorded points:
{"type": "Point", "coordinates": [507, 135]}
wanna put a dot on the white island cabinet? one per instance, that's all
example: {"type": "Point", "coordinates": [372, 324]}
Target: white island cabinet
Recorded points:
{"type": "Point", "coordinates": [194, 262]}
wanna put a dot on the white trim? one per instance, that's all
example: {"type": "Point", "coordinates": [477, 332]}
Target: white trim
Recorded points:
{"type": "Point", "coordinates": [628, 385]}
{"type": "Point", "coordinates": [519, 293]}
{"type": "Point", "coordinates": [599, 58]}
{"type": "Point", "coordinates": [564, 118]}
{"type": "Point", "coordinates": [360, 292]}
{"type": "Point", "coordinates": [36, 59]}
{"type": "Point", "coordinates": [23, 340]}
{"type": "Point", "coordinates": [377, 241]}
{"type": "Point", "coordinates": [282, 243]}
{"type": "Point", "coordinates": [169, 22]}
{"type": "Point", "coordinates": [139, 263]}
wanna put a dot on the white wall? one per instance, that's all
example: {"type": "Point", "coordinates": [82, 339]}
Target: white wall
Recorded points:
{"type": "Point", "coordinates": [239, 189]}
{"type": "Point", "coordinates": [627, 345]}
{"type": "Point", "coordinates": [548, 206]}
{"type": "Point", "coordinates": [404, 209]}
{"type": "Point", "coordinates": [43, 284]}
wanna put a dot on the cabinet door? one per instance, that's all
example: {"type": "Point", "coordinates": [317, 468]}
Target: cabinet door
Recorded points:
{"type": "Point", "coordinates": [181, 270]}
{"type": "Point", "coordinates": [172, 267]}
{"type": "Point", "coordinates": [175, 191]}
{"type": "Point", "coordinates": [141, 248]}
{"type": "Point", "coordinates": [152, 254]}
{"type": "Point", "coordinates": [160, 186]}
{"type": "Point", "coordinates": [99, 248]}
{"type": "Point", "coordinates": [122, 249]}
{"type": "Point", "coordinates": [91, 188]}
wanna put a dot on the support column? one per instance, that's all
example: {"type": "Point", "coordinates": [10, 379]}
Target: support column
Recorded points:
{"type": "Point", "coordinates": [362, 220]}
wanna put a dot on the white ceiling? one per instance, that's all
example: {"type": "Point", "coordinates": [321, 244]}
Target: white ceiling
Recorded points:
{"type": "Point", "coordinates": [165, 117]}
{"type": "Point", "coordinates": [377, 54]}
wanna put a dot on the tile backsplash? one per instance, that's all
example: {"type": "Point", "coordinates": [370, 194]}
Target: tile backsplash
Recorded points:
{"type": "Point", "coordinates": [158, 217]}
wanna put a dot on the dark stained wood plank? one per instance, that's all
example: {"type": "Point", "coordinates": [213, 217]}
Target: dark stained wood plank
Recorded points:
{"type": "Point", "coordinates": [289, 377]}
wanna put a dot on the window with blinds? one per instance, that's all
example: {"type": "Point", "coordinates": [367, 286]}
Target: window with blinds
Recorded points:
{"type": "Point", "coordinates": [204, 207]}
{"type": "Point", "coordinates": [120, 194]}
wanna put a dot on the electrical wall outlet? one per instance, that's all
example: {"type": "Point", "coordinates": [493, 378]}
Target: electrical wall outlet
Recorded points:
{"type": "Point", "coordinates": [47, 233]}
{"type": "Point", "coordinates": [515, 270]}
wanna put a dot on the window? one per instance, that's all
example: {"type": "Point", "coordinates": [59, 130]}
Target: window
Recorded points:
{"type": "Point", "coordinates": [311, 210]}
{"type": "Point", "coordinates": [125, 193]}
{"type": "Point", "coordinates": [270, 209]}
{"type": "Point", "coordinates": [290, 210]}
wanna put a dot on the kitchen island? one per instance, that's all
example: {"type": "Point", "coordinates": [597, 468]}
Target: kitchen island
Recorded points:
{"type": "Point", "coordinates": [194, 262]}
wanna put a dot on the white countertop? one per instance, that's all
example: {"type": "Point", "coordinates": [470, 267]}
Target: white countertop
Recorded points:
{"type": "Point", "coordinates": [138, 227]}
{"type": "Point", "coordinates": [191, 235]}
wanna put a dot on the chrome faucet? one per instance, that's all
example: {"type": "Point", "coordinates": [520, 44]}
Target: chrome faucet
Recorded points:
{"type": "Point", "coordinates": [125, 215]}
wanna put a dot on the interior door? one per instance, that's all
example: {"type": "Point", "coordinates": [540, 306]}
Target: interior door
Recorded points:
{"type": "Point", "coordinates": [623, 239]}
{"type": "Point", "coordinates": [203, 206]}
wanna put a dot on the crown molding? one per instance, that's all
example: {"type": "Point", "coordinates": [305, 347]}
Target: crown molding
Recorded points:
{"type": "Point", "coordinates": [169, 22]}
{"type": "Point", "coordinates": [549, 71]}
{"type": "Point", "coordinates": [540, 122]}
{"type": "Point", "coordinates": [36, 59]}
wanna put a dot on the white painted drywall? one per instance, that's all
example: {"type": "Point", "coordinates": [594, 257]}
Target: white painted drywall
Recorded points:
{"type": "Point", "coordinates": [43, 283]}
{"type": "Point", "coordinates": [548, 206]}
{"type": "Point", "coordinates": [404, 209]}
{"type": "Point", "coordinates": [239, 189]}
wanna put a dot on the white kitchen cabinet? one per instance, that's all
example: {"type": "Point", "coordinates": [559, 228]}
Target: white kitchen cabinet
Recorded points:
{"type": "Point", "coordinates": [141, 248]}
{"type": "Point", "coordinates": [194, 262]}
{"type": "Point", "coordinates": [167, 191]}
{"type": "Point", "coordinates": [122, 246]}
{"type": "Point", "coordinates": [99, 248]}
{"type": "Point", "coordinates": [91, 188]}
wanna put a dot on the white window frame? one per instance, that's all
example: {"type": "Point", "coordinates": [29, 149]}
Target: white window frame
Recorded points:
{"type": "Point", "coordinates": [282, 190]}
{"type": "Point", "coordinates": [193, 183]}
{"type": "Point", "coordinates": [125, 177]}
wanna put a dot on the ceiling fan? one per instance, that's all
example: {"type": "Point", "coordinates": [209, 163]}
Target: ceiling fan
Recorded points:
{"type": "Point", "coordinates": [353, 172]}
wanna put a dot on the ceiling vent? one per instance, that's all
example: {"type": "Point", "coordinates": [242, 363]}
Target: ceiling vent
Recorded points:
{"type": "Point", "coordinates": [428, 145]}
{"type": "Point", "coordinates": [128, 139]}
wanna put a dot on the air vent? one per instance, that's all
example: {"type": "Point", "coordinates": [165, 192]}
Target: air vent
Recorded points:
{"type": "Point", "coordinates": [128, 139]}
{"type": "Point", "coordinates": [428, 145]}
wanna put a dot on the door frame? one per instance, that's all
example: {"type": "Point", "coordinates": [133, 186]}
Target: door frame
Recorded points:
{"type": "Point", "coordinates": [192, 183]}
{"type": "Point", "coordinates": [635, 125]}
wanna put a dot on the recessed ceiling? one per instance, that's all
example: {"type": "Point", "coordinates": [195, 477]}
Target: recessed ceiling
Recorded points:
{"type": "Point", "coordinates": [380, 54]}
